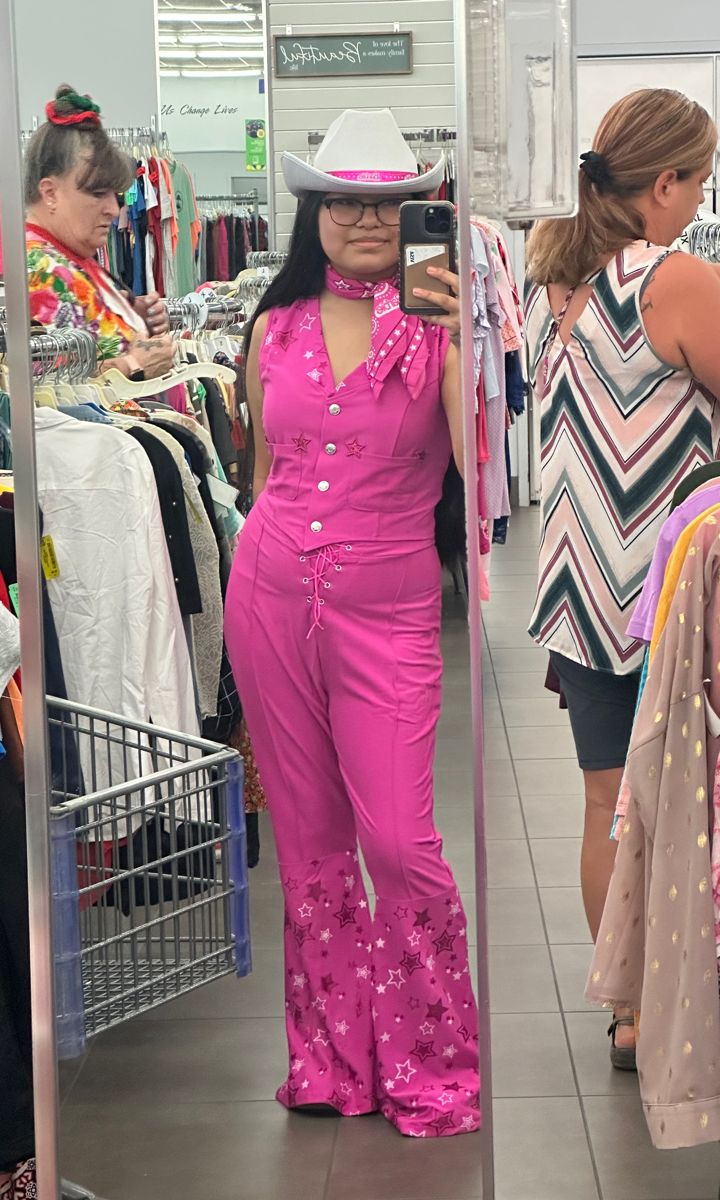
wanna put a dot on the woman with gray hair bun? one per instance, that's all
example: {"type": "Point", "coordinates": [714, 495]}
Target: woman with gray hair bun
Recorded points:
{"type": "Point", "coordinates": [75, 177]}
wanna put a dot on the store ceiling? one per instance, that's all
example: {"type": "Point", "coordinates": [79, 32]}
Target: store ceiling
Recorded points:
{"type": "Point", "coordinates": [211, 38]}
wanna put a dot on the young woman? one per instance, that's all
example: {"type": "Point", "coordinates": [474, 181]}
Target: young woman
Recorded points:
{"type": "Point", "coordinates": [622, 338]}
{"type": "Point", "coordinates": [333, 630]}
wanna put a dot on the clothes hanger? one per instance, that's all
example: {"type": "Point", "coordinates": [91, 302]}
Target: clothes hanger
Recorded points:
{"type": "Point", "coordinates": [126, 389]}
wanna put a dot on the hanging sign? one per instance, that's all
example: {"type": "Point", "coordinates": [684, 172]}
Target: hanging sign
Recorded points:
{"type": "Point", "coordinates": [298, 57]}
{"type": "Point", "coordinates": [255, 146]}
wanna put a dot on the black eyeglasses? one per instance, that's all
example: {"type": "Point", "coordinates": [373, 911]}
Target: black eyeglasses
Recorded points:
{"type": "Point", "coordinates": [350, 212]}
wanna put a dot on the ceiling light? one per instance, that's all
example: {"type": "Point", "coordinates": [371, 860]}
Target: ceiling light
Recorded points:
{"type": "Point", "coordinates": [177, 53]}
{"type": "Point", "coordinates": [168, 73]}
{"type": "Point", "coordinates": [220, 39]}
{"type": "Point", "coordinates": [206, 16]}
{"type": "Point", "coordinates": [204, 73]}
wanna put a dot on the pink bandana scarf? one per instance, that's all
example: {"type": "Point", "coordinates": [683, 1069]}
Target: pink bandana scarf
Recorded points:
{"type": "Point", "coordinates": [396, 339]}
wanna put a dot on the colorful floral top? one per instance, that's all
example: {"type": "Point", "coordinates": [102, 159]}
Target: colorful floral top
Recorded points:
{"type": "Point", "coordinates": [69, 292]}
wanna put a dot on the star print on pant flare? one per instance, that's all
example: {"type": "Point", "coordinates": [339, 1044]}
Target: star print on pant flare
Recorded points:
{"type": "Point", "coordinates": [328, 987]}
{"type": "Point", "coordinates": [426, 1024]}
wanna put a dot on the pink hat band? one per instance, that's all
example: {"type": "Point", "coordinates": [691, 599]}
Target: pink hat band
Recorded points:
{"type": "Point", "coordinates": [373, 176]}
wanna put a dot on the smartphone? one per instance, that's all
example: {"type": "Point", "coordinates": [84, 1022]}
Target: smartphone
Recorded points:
{"type": "Point", "coordinates": [427, 239]}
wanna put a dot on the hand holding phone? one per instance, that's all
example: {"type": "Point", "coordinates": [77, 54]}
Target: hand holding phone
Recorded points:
{"type": "Point", "coordinates": [427, 241]}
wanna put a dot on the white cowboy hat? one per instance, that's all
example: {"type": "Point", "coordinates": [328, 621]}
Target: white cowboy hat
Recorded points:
{"type": "Point", "coordinates": [365, 153]}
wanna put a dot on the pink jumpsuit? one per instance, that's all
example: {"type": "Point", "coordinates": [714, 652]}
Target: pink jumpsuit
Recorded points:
{"type": "Point", "coordinates": [333, 631]}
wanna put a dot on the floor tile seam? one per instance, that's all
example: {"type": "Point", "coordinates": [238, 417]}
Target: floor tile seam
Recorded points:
{"type": "Point", "coordinates": [556, 982]}
{"type": "Point", "coordinates": [331, 1163]}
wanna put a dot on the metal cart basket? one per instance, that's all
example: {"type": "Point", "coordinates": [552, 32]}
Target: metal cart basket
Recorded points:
{"type": "Point", "coordinates": [149, 862]}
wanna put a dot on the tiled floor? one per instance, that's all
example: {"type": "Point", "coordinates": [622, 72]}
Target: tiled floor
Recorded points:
{"type": "Point", "coordinates": [180, 1104]}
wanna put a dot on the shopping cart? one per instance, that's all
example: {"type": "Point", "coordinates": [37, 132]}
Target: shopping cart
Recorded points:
{"type": "Point", "coordinates": [150, 888]}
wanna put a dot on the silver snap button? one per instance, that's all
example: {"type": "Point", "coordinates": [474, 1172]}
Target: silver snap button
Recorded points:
{"type": "Point", "coordinates": [334, 410]}
{"type": "Point", "coordinates": [331, 448]}
{"type": "Point", "coordinates": [323, 486]}
{"type": "Point", "coordinates": [316, 527]}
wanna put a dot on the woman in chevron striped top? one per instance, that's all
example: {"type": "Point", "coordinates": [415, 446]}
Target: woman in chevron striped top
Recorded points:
{"type": "Point", "coordinates": [624, 347]}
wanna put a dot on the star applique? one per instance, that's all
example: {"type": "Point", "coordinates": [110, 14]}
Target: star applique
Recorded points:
{"type": "Point", "coordinates": [307, 323]}
{"type": "Point", "coordinates": [346, 1089]}
{"type": "Point", "coordinates": [385, 1037]}
{"type": "Point", "coordinates": [435, 1012]}
{"type": "Point", "coordinates": [465, 1033]}
{"type": "Point", "coordinates": [342, 1028]}
{"type": "Point", "coordinates": [444, 942]}
{"type": "Point", "coordinates": [414, 1003]}
{"type": "Point", "coordinates": [422, 919]}
{"type": "Point", "coordinates": [328, 984]}
{"type": "Point", "coordinates": [421, 454]}
{"type": "Point", "coordinates": [299, 981]}
{"type": "Point", "coordinates": [302, 934]}
{"type": "Point", "coordinates": [355, 448]}
{"type": "Point", "coordinates": [405, 1071]}
{"type": "Point", "coordinates": [315, 891]}
{"type": "Point", "coordinates": [292, 885]}
{"type": "Point", "coordinates": [455, 909]}
{"type": "Point", "coordinates": [284, 339]}
{"type": "Point", "coordinates": [426, 1028]}
{"type": "Point", "coordinates": [401, 913]}
{"type": "Point", "coordinates": [320, 1003]}
{"type": "Point", "coordinates": [414, 939]}
{"type": "Point", "coordinates": [423, 1050]}
{"type": "Point", "coordinates": [305, 911]}
{"type": "Point", "coordinates": [411, 962]}
{"type": "Point", "coordinates": [449, 1052]}
{"type": "Point", "coordinates": [469, 1123]}
{"type": "Point", "coordinates": [444, 1122]}
{"type": "Point", "coordinates": [308, 354]}
{"type": "Point", "coordinates": [446, 1098]}
{"type": "Point", "coordinates": [321, 1038]}
{"type": "Point", "coordinates": [395, 979]}
{"type": "Point", "coordinates": [301, 443]}
{"type": "Point", "coordinates": [315, 375]}
{"type": "Point", "coordinates": [325, 935]}
{"type": "Point", "coordinates": [346, 916]}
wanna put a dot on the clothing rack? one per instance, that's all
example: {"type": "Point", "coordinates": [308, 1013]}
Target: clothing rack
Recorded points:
{"type": "Point", "coordinates": [134, 139]}
{"type": "Point", "coordinates": [251, 198]}
{"type": "Point", "coordinates": [702, 239]}
{"type": "Point", "coordinates": [71, 356]}
{"type": "Point", "coordinates": [259, 259]}
{"type": "Point", "coordinates": [437, 136]}
{"type": "Point", "coordinates": [199, 312]}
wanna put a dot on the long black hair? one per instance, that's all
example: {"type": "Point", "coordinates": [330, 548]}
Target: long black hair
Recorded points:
{"type": "Point", "coordinates": [301, 277]}
{"type": "Point", "coordinates": [303, 272]}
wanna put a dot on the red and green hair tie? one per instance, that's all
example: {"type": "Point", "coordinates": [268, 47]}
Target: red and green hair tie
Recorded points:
{"type": "Point", "coordinates": [73, 109]}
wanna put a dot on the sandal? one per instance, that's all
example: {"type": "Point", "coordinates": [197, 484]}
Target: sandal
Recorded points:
{"type": "Point", "coordinates": [621, 1057]}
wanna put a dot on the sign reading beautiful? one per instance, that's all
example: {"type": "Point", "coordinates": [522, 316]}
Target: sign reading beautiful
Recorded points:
{"type": "Point", "coordinates": [348, 54]}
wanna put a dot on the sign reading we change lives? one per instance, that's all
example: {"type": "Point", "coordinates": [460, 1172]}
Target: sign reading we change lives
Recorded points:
{"type": "Point", "coordinates": [343, 54]}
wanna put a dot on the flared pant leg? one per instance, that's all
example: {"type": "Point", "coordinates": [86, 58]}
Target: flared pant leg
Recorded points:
{"type": "Point", "coordinates": [380, 1013]}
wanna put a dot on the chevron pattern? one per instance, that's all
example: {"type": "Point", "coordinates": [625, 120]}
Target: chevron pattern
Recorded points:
{"type": "Point", "coordinates": [619, 430]}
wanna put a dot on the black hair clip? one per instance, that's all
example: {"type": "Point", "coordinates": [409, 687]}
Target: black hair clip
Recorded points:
{"type": "Point", "coordinates": [597, 169]}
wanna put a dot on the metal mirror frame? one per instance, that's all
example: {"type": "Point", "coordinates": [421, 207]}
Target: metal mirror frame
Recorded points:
{"type": "Point", "coordinates": [27, 528]}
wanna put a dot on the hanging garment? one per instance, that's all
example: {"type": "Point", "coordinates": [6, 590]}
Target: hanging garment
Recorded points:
{"type": "Point", "coordinates": [619, 430]}
{"type": "Point", "coordinates": [207, 625]}
{"type": "Point", "coordinates": [333, 630]}
{"type": "Point", "coordinates": [175, 520]}
{"type": "Point", "coordinates": [119, 624]}
{"type": "Point", "coordinates": [643, 619]}
{"type": "Point", "coordinates": [656, 948]}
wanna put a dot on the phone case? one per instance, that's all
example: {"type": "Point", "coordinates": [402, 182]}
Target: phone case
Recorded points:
{"type": "Point", "coordinates": [420, 250]}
